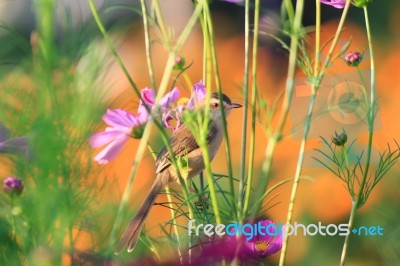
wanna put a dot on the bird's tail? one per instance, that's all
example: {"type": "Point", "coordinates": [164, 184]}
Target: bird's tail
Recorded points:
{"type": "Point", "coordinates": [132, 232]}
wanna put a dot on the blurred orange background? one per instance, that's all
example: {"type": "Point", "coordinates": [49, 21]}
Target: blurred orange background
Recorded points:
{"type": "Point", "coordinates": [324, 198]}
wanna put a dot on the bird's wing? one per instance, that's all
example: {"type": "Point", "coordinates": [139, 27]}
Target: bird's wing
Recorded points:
{"type": "Point", "coordinates": [182, 143]}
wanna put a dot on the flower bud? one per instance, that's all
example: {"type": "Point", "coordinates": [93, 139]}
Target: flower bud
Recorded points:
{"type": "Point", "coordinates": [353, 59]}
{"type": "Point", "coordinates": [179, 63]}
{"type": "Point", "coordinates": [340, 140]}
{"type": "Point", "coordinates": [137, 132]}
{"type": "Point", "coordinates": [13, 186]}
{"type": "Point", "coordinates": [361, 3]}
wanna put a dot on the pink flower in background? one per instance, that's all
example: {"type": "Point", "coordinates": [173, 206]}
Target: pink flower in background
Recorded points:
{"type": "Point", "coordinates": [17, 145]}
{"type": "Point", "coordinates": [335, 3]}
{"type": "Point", "coordinates": [123, 125]}
{"type": "Point", "coordinates": [259, 246]}
{"type": "Point", "coordinates": [13, 186]}
{"type": "Point", "coordinates": [198, 94]}
{"type": "Point", "coordinates": [256, 248]}
{"type": "Point", "coordinates": [234, 1]}
{"type": "Point", "coordinates": [353, 59]}
{"type": "Point", "coordinates": [148, 96]}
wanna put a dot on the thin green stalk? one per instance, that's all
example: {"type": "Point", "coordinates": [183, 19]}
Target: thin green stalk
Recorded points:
{"type": "Point", "coordinates": [245, 108]}
{"type": "Point", "coordinates": [296, 180]}
{"type": "Point", "coordinates": [317, 36]}
{"type": "Point", "coordinates": [13, 223]}
{"type": "Point", "coordinates": [289, 10]}
{"type": "Point", "coordinates": [46, 56]}
{"type": "Point", "coordinates": [314, 87]}
{"type": "Point", "coordinates": [207, 61]}
{"type": "Point", "coordinates": [45, 20]}
{"type": "Point", "coordinates": [277, 134]}
{"type": "Point", "coordinates": [171, 209]}
{"type": "Point", "coordinates": [161, 22]}
{"type": "Point", "coordinates": [371, 118]}
{"type": "Point", "coordinates": [253, 107]}
{"type": "Point", "coordinates": [223, 116]}
{"type": "Point", "coordinates": [148, 43]}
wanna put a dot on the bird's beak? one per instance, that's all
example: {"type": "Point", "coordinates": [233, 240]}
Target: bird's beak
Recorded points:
{"type": "Point", "coordinates": [235, 105]}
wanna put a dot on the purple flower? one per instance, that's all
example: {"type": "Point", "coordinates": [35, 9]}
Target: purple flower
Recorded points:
{"type": "Point", "coordinates": [335, 3]}
{"type": "Point", "coordinates": [341, 3]}
{"type": "Point", "coordinates": [258, 247]}
{"type": "Point", "coordinates": [199, 92]}
{"type": "Point", "coordinates": [353, 59]}
{"type": "Point", "coordinates": [17, 145]}
{"type": "Point", "coordinates": [123, 125]}
{"type": "Point", "coordinates": [234, 1]}
{"type": "Point", "coordinates": [13, 186]}
{"type": "Point", "coordinates": [148, 96]}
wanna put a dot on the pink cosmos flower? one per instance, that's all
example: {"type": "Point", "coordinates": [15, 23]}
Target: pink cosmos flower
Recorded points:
{"type": "Point", "coordinates": [335, 3]}
{"type": "Point", "coordinates": [199, 92]}
{"type": "Point", "coordinates": [13, 186]}
{"type": "Point", "coordinates": [246, 249]}
{"type": "Point", "coordinates": [123, 125]}
{"type": "Point", "coordinates": [353, 59]}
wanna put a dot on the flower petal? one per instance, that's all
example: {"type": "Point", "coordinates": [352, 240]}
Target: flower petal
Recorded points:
{"type": "Point", "coordinates": [335, 3]}
{"type": "Point", "coordinates": [166, 118]}
{"type": "Point", "coordinates": [119, 118]}
{"type": "Point", "coordinates": [4, 133]}
{"type": "Point", "coordinates": [199, 92]}
{"type": "Point", "coordinates": [112, 150]}
{"type": "Point", "coordinates": [274, 246]}
{"type": "Point", "coordinates": [169, 98]}
{"type": "Point", "coordinates": [103, 138]}
{"type": "Point", "coordinates": [15, 145]}
{"type": "Point", "coordinates": [148, 96]}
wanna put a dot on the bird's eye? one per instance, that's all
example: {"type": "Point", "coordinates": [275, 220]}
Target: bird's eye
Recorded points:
{"type": "Point", "coordinates": [215, 105]}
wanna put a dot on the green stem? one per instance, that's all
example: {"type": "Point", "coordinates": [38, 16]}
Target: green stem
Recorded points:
{"type": "Point", "coordinates": [148, 44]}
{"type": "Point", "coordinates": [277, 135]}
{"type": "Point", "coordinates": [13, 225]}
{"type": "Point", "coordinates": [45, 20]}
{"type": "Point", "coordinates": [161, 23]}
{"type": "Point", "coordinates": [253, 108]}
{"type": "Point", "coordinates": [245, 108]}
{"type": "Point", "coordinates": [207, 61]}
{"type": "Point", "coordinates": [317, 36]}
{"type": "Point", "coordinates": [289, 10]}
{"type": "Point", "coordinates": [45, 57]}
{"type": "Point", "coordinates": [314, 87]}
{"type": "Point", "coordinates": [223, 116]}
{"type": "Point", "coordinates": [371, 118]}
{"type": "Point", "coordinates": [174, 221]}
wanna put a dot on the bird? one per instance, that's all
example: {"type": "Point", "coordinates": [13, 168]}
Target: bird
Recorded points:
{"type": "Point", "coordinates": [183, 144]}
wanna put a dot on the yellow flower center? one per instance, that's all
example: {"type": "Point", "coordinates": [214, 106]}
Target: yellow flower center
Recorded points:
{"type": "Point", "coordinates": [182, 101]}
{"type": "Point", "coordinates": [261, 246]}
